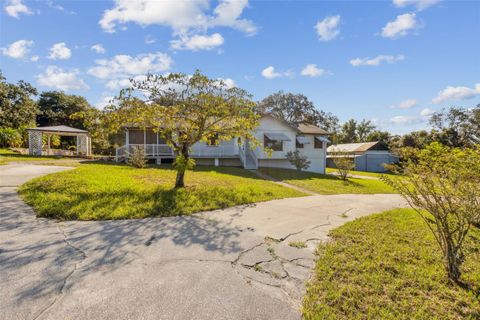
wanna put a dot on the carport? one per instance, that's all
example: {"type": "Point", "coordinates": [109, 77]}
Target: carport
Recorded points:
{"type": "Point", "coordinates": [35, 139]}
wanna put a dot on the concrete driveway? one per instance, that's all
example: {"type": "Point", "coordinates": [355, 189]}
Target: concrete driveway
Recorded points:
{"type": "Point", "coordinates": [225, 264]}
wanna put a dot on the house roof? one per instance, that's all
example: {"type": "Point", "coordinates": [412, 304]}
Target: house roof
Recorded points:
{"type": "Point", "coordinates": [356, 147]}
{"type": "Point", "coordinates": [310, 129]}
{"type": "Point", "coordinates": [58, 129]}
{"type": "Point", "coordinates": [301, 128]}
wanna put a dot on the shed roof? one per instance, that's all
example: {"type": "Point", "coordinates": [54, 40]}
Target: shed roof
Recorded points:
{"type": "Point", "coordinates": [58, 129]}
{"type": "Point", "coordinates": [356, 147]}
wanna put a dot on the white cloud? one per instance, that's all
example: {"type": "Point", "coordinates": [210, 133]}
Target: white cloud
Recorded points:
{"type": "Point", "coordinates": [227, 14]}
{"type": "Point", "coordinates": [357, 62]}
{"type": "Point", "coordinates": [58, 7]}
{"type": "Point", "coordinates": [55, 77]}
{"type": "Point", "coordinates": [270, 73]}
{"type": "Point", "coordinates": [16, 7]}
{"type": "Point", "coordinates": [103, 102]}
{"type": "Point", "coordinates": [34, 58]}
{"type": "Point", "coordinates": [18, 49]}
{"type": "Point", "coordinates": [116, 84]}
{"type": "Point", "coordinates": [426, 112]}
{"type": "Point", "coordinates": [149, 39]}
{"type": "Point", "coordinates": [60, 51]}
{"type": "Point", "coordinates": [197, 42]}
{"type": "Point", "coordinates": [400, 26]}
{"type": "Point", "coordinates": [311, 70]}
{"type": "Point", "coordinates": [184, 17]}
{"type": "Point", "coordinates": [419, 4]}
{"type": "Point", "coordinates": [123, 66]}
{"type": "Point", "coordinates": [327, 29]}
{"type": "Point", "coordinates": [229, 83]}
{"type": "Point", "coordinates": [406, 104]}
{"type": "Point", "coordinates": [405, 120]}
{"type": "Point", "coordinates": [98, 48]}
{"type": "Point", "coordinates": [409, 120]}
{"type": "Point", "coordinates": [457, 93]}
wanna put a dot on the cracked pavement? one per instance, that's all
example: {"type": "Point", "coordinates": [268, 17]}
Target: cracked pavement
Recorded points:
{"type": "Point", "coordinates": [225, 264]}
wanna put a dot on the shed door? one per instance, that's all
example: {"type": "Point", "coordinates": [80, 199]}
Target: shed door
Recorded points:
{"type": "Point", "coordinates": [375, 162]}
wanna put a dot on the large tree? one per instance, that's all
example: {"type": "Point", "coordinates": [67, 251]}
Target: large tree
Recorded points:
{"type": "Point", "coordinates": [58, 108]}
{"type": "Point", "coordinates": [185, 110]}
{"type": "Point", "coordinates": [457, 127]}
{"type": "Point", "coordinates": [354, 131]}
{"type": "Point", "coordinates": [296, 109]}
{"type": "Point", "coordinates": [17, 108]}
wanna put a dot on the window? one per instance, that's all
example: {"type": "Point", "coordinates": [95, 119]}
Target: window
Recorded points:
{"type": "Point", "coordinates": [272, 144]}
{"type": "Point", "coordinates": [318, 144]}
{"type": "Point", "coordinates": [213, 140]}
{"type": "Point", "coordinates": [135, 136]}
{"type": "Point", "coordinates": [301, 141]}
{"type": "Point", "coordinates": [151, 137]}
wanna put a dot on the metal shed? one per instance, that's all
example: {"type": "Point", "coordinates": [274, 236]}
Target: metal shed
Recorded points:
{"type": "Point", "coordinates": [35, 139]}
{"type": "Point", "coordinates": [367, 156]}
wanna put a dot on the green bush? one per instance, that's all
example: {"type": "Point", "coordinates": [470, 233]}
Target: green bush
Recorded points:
{"type": "Point", "coordinates": [10, 138]}
{"type": "Point", "coordinates": [298, 161]}
{"type": "Point", "coordinates": [137, 158]}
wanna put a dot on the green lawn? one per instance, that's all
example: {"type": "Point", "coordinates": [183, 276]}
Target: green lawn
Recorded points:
{"type": "Point", "coordinates": [388, 266]}
{"type": "Point", "coordinates": [361, 173]}
{"type": "Point", "coordinates": [7, 156]}
{"type": "Point", "coordinates": [106, 191]}
{"type": "Point", "coordinates": [327, 184]}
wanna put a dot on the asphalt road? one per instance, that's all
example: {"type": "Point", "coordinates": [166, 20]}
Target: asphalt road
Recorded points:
{"type": "Point", "coordinates": [225, 264]}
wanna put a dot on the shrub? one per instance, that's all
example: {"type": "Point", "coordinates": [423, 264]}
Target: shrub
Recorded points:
{"type": "Point", "coordinates": [10, 138]}
{"type": "Point", "coordinates": [298, 161]}
{"type": "Point", "coordinates": [442, 185]}
{"type": "Point", "coordinates": [343, 163]}
{"type": "Point", "coordinates": [137, 157]}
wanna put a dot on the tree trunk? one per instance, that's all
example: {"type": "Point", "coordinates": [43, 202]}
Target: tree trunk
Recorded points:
{"type": "Point", "coordinates": [180, 179]}
{"type": "Point", "coordinates": [452, 263]}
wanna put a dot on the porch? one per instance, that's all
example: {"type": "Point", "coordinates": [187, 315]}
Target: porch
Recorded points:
{"type": "Point", "coordinates": [154, 147]}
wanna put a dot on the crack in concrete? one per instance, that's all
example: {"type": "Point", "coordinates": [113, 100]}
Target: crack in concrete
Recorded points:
{"type": "Point", "coordinates": [235, 261]}
{"type": "Point", "coordinates": [65, 279]}
{"type": "Point", "coordinates": [297, 232]}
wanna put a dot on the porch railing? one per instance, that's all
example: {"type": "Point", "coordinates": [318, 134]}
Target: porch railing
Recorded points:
{"type": "Point", "coordinates": [213, 151]}
{"type": "Point", "coordinates": [156, 150]}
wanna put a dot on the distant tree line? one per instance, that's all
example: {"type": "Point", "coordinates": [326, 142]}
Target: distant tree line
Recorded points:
{"type": "Point", "coordinates": [22, 106]}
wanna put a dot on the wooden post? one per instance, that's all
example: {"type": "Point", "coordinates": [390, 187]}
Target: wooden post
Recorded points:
{"type": "Point", "coordinates": [144, 142]}
{"type": "Point", "coordinates": [48, 144]}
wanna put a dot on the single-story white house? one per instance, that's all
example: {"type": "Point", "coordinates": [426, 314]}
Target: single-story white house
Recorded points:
{"type": "Point", "coordinates": [276, 134]}
{"type": "Point", "coordinates": [367, 156]}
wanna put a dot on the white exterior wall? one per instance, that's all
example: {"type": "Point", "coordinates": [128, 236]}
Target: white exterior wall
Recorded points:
{"type": "Point", "coordinates": [268, 124]}
{"type": "Point", "coordinates": [317, 157]}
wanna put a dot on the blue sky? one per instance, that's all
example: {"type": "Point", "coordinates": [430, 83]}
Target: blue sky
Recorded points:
{"type": "Point", "coordinates": [393, 61]}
